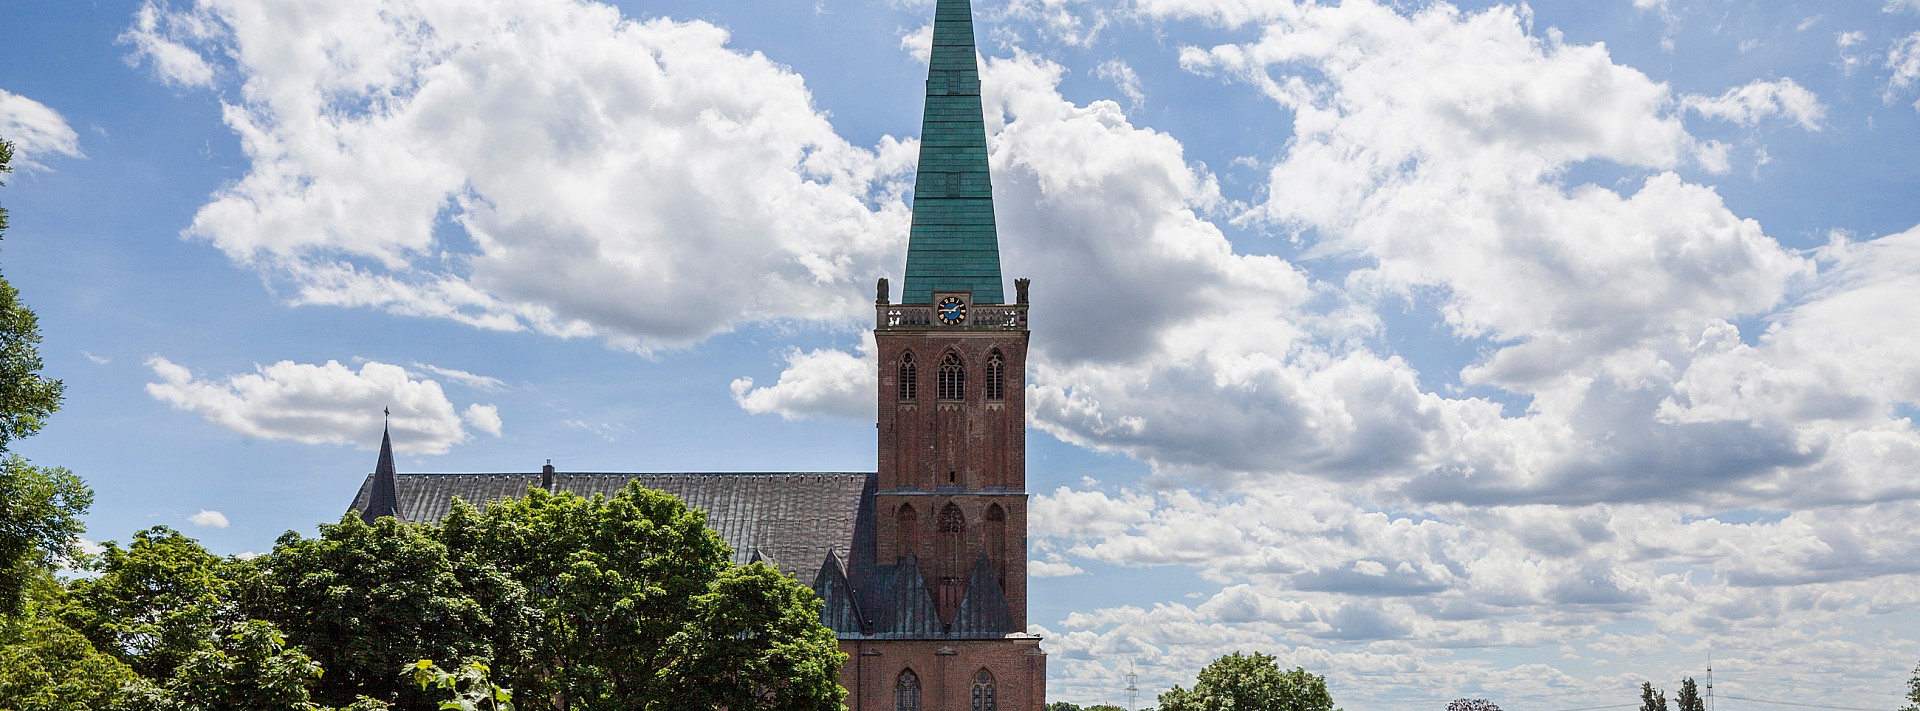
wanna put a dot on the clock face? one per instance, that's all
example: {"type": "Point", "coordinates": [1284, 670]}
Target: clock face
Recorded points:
{"type": "Point", "coordinates": [951, 310]}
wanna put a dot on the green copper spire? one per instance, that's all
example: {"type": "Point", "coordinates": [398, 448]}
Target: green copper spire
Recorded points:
{"type": "Point", "coordinates": [953, 245]}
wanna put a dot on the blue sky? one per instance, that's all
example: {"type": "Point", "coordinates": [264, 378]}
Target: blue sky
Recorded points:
{"type": "Point", "coordinates": [1522, 352]}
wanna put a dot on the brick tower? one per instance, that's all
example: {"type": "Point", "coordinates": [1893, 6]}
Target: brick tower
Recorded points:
{"type": "Point", "coordinates": [950, 506]}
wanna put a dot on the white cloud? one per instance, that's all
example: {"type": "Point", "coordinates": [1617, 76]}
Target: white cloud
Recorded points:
{"type": "Point", "coordinates": [617, 159]}
{"type": "Point", "coordinates": [1746, 105]}
{"type": "Point", "coordinates": [1124, 79]}
{"type": "Point", "coordinates": [919, 43]}
{"type": "Point", "coordinates": [482, 383]}
{"type": "Point", "coordinates": [1051, 569]}
{"type": "Point", "coordinates": [483, 418]}
{"type": "Point", "coordinates": [818, 382]}
{"type": "Point", "coordinates": [208, 519]}
{"type": "Point", "coordinates": [173, 62]}
{"type": "Point", "coordinates": [1902, 6]}
{"type": "Point", "coordinates": [1903, 63]}
{"type": "Point", "coordinates": [1307, 575]}
{"type": "Point", "coordinates": [36, 131]}
{"type": "Point", "coordinates": [327, 403]}
{"type": "Point", "coordinates": [95, 359]}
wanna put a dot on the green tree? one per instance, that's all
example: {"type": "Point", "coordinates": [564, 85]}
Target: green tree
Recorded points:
{"type": "Point", "coordinates": [40, 509]}
{"type": "Point", "coordinates": [1913, 691]}
{"type": "Point", "coordinates": [1253, 682]}
{"type": "Point", "coordinates": [26, 397]}
{"type": "Point", "coordinates": [250, 666]}
{"type": "Point", "coordinates": [1689, 698]}
{"type": "Point", "coordinates": [365, 602]}
{"type": "Point", "coordinates": [47, 666]}
{"type": "Point", "coordinates": [156, 602]}
{"type": "Point", "coordinates": [1472, 705]}
{"type": "Point", "coordinates": [1651, 700]}
{"type": "Point", "coordinates": [756, 644]}
{"type": "Point", "coordinates": [630, 602]}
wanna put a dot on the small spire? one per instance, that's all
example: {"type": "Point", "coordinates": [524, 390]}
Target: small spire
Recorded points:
{"type": "Point", "coordinates": [382, 497]}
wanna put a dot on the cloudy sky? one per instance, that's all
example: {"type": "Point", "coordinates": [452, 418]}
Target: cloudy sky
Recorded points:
{"type": "Point", "coordinates": [1524, 352]}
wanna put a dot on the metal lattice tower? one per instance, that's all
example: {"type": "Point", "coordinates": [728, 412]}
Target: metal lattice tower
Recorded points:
{"type": "Point", "coordinates": [1710, 682]}
{"type": "Point", "coordinates": [1133, 691]}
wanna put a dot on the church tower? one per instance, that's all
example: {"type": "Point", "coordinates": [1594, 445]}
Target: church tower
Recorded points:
{"type": "Point", "coordinates": [950, 504]}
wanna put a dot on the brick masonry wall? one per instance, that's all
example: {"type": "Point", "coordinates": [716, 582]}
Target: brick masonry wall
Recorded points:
{"type": "Point", "coordinates": [970, 453]}
{"type": "Point", "coordinates": [946, 670]}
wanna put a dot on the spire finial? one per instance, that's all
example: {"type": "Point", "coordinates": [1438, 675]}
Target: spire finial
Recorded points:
{"type": "Point", "coordinates": [382, 492]}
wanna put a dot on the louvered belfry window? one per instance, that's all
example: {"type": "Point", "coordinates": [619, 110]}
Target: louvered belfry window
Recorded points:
{"type": "Point", "coordinates": [909, 377]}
{"type": "Point", "coordinates": [906, 692]}
{"type": "Point", "coordinates": [996, 377]}
{"type": "Point", "coordinates": [953, 378]}
{"type": "Point", "coordinates": [983, 691]}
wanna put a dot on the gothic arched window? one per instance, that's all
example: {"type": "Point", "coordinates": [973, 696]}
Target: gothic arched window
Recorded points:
{"type": "Point", "coordinates": [953, 541]}
{"type": "Point", "coordinates": [909, 377]}
{"type": "Point", "coordinates": [907, 522]}
{"type": "Point", "coordinates": [996, 376]}
{"type": "Point", "coordinates": [953, 377]}
{"type": "Point", "coordinates": [997, 540]}
{"type": "Point", "coordinates": [906, 692]}
{"type": "Point", "coordinates": [983, 691]}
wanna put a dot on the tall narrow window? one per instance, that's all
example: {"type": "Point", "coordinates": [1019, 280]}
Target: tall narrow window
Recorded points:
{"type": "Point", "coordinates": [906, 523]}
{"type": "Point", "coordinates": [983, 691]}
{"type": "Point", "coordinates": [996, 377]}
{"type": "Point", "coordinates": [997, 541]}
{"type": "Point", "coordinates": [906, 692]}
{"type": "Point", "coordinates": [909, 377]}
{"type": "Point", "coordinates": [953, 378]}
{"type": "Point", "coordinates": [953, 541]}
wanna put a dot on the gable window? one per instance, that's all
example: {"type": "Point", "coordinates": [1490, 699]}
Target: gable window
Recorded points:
{"type": "Point", "coordinates": [996, 377]}
{"type": "Point", "coordinates": [983, 692]}
{"type": "Point", "coordinates": [953, 378]}
{"type": "Point", "coordinates": [909, 377]}
{"type": "Point", "coordinates": [906, 692]}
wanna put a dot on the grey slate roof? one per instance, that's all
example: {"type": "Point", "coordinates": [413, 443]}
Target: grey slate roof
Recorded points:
{"type": "Point", "coordinates": [791, 519]}
{"type": "Point", "coordinates": [818, 527]}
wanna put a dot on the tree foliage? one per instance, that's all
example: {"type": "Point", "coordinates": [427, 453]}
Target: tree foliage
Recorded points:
{"type": "Point", "coordinates": [26, 397]}
{"type": "Point", "coordinates": [47, 666]}
{"type": "Point", "coordinates": [40, 509]}
{"type": "Point", "coordinates": [1472, 705]}
{"type": "Point", "coordinates": [1689, 697]}
{"type": "Point", "coordinates": [156, 602]}
{"type": "Point", "coordinates": [1253, 682]}
{"type": "Point", "coordinates": [367, 602]}
{"type": "Point", "coordinates": [1913, 691]}
{"type": "Point", "coordinates": [1651, 699]}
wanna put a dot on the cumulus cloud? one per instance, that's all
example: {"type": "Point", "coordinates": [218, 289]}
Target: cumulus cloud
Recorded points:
{"type": "Point", "coordinates": [1746, 105]}
{"type": "Point", "coordinates": [36, 131]}
{"type": "Point", "coordinates": [208, 519]}
{"type": "Point", "coordinates": [818, 382]}
{"type": "Point", "coordinates": [1309, 575]}
{"type": "Point", "coordinates": [327, 403]}
{"type": "Point", "coordinates": [1903, 64]}
{"type": "Point", "coordinates": [174, 63]}
{"type": "Point", "coordinates": [616, 159]}
{"type": "Point", "coordinates": [482, 418]}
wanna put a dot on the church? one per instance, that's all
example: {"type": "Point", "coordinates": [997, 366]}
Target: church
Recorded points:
{"type": "Point", "coordinates": [922, 565]}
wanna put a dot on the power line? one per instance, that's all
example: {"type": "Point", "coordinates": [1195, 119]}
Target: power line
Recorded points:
{"type": "Point", "coordinates": [1796, 703]}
